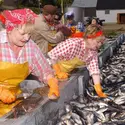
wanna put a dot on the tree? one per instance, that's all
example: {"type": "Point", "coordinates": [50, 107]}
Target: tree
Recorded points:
{"type": "Point", "coordinates": [64, 2]}
{"type": "Point", "coordinates": [57, 2]}
{"type": "Point", "coordinates": [36, 4]}
{"type": "Point", "coordinates": [1, 2]}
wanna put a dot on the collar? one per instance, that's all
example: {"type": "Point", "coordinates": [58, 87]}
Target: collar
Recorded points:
{"type": "Point", "coordinates": [3, 36]}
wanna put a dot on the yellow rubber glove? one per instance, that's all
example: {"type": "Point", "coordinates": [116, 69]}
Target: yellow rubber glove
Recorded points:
{"type": "Point", "coordinates": [98, 90]}
{"type": "Point", "coordinates": [60, 75]}
{"type": "Point", "coordinates": [6, 95]}
{"type": "Point", "coordinates": [54, 88]}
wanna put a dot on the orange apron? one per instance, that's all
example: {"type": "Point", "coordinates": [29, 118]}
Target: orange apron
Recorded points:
{"type": "Point", "coordinates": [11, 75]}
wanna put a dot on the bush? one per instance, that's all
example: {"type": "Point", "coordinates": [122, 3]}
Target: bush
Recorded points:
{"type": "Point", "coordinates": [34, 9]}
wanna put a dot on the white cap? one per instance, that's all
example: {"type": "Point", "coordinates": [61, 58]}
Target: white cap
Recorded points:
{"type": "Point", "coordinates": [69, 13]}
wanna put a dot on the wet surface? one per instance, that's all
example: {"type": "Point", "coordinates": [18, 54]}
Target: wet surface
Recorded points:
{"type": "Point", "coordinates": [29, 104]}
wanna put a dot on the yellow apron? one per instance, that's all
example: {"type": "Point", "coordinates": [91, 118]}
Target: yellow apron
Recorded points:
{"type": "Point", "coordinates": [10, 77]}
{"type": "Point", "coordinates": [68, 66]}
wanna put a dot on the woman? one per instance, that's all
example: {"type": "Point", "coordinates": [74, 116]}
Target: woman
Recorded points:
{"type": "Point", "coordinates": [20, 56]}
{"type": "Point", "coordinates": [78, 51]}
{"type": "Point", "coordinates": [94, 21]}
{"type": "Point", "coordinates": [70, 22]}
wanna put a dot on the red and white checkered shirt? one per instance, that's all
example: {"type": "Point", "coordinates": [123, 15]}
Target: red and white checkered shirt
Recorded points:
{"type": "Point", "coordinates": [30, 53]}
{"type": "Point", "coordinates": [75, 47]}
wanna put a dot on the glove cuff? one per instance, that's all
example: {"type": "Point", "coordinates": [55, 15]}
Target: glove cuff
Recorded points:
{"type": "Point", "coordinates": [52, 82]}
{"type": "Point", "coordinates": [56, 67]}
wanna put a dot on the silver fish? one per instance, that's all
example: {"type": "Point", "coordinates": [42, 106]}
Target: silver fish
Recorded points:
{"type": "Point", "coordinates": [68, 108]}
{"type": "Point", "coordinates": [66, 116]}
{"type": "Point", "coordinates": [120, 100]}
{"type": "Point", "coordinates": [77, 104]}
{"type": "Point", "coordinates": [90, 118]}
{"type": "Point", "coordinates": [76, 118]}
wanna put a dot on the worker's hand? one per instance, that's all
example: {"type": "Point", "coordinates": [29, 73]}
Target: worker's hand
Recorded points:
{"type": "Point", "coordinates": [62, 75]}
{"type": "Point", "coordinates": [6, 95]}
{"type": "Point", "coordinates": [59, 73]}
{"type": "Point", "coordinates": [54, 88]}
{"type": "Point", "coordinates": [98, 90]}
{"type": "Point", "coordinates": [66, 31]}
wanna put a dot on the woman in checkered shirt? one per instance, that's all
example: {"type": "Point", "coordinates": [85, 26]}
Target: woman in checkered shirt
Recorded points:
{"type": "Point", "coordinates": [74, 52]}
{"type": "Point", "coordinates": [20, 56]}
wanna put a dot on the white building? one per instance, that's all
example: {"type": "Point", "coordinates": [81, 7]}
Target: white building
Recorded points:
{"type": "Point", "coordinates": [109, 9]}
{"type": "Point", "coordinates": [103, 9]}
{"type": "Point", "coordinates": [83, 8]}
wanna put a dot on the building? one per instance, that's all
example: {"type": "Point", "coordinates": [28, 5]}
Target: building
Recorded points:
{"type": "Point", "coordinates": [83, 8]}
{"type": "Point", "coordinates": [112, 11]}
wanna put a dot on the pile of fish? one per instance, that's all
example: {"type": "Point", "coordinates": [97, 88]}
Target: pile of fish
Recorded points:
{"type": "Point", "coordinates": [93, 110]}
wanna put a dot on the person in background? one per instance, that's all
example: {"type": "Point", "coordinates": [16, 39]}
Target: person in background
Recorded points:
{"type": "Point", "coordinates": [70, 22]}
{"type": "Point", "coordinates": [94, 21]}
{"type": "Point", "coordinates": [58, 26]}
{"type": "Point", "coordinates": [2, 22]}
{"type": "Point", "coordinates": [58, 17]}
{"type": "Point", "coordinates": [20, 56]}
{"type": "Point", "coordinates": [2, 19]}
{"type": "Point", "coordinates": [77, 29]}
{"type": "Point", "coordinates": [44, 32]}
{"type": "Point", "coordinates": [75, 52]}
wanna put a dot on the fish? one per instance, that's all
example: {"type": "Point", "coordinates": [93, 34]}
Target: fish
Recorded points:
{"type": "Point", "coordinates": [76, 118]}
{"type": "Point", "coordinates": [68, 108]}
{"type": "Point", "coordinates": [90, 118]}
{"type": "Point", "coordinates": [77, 104]}
{"type": "Point", "coordinates": [101, 111]}
{"type": "Point", "coordinates": [66, 116]}
{"type": "Point", "coordinates": [120, 100]}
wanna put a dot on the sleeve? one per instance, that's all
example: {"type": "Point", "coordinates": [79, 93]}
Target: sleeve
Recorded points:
{"type": "Point", "coordinates": [41, 66]}
{"type": "Point", "coordinates": [93, 66]}
{"type": "Point", "coordinates": [65, 30]}
{"type": "Point", "coordinates": [46, 33]}
{"type": "Point", "coordinates": [64, 50]}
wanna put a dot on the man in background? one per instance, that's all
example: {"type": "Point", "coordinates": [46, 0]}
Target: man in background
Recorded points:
{"type": "Point", "coordinates": [45, 33]}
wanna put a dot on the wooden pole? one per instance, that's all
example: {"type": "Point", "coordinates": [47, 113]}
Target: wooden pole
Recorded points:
{"type": "Point", "coordinates": [62, 9]}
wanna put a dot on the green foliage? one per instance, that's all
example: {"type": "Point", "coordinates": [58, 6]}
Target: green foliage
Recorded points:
{"type": "Point", "coordinates": [65, 2]}
{"type": "Point", "coordinates": [34, 9]}
{"type": "Point", "coordinates": [57, 2]}
{"type": "Point", "coordinates": [34, 4]}
{"type": "Point", "coordinates": [44, 2]}
{"type": "Point", "coordinates": [111, 33]}
{"type": "Point", "coordinates": [1, 2]}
